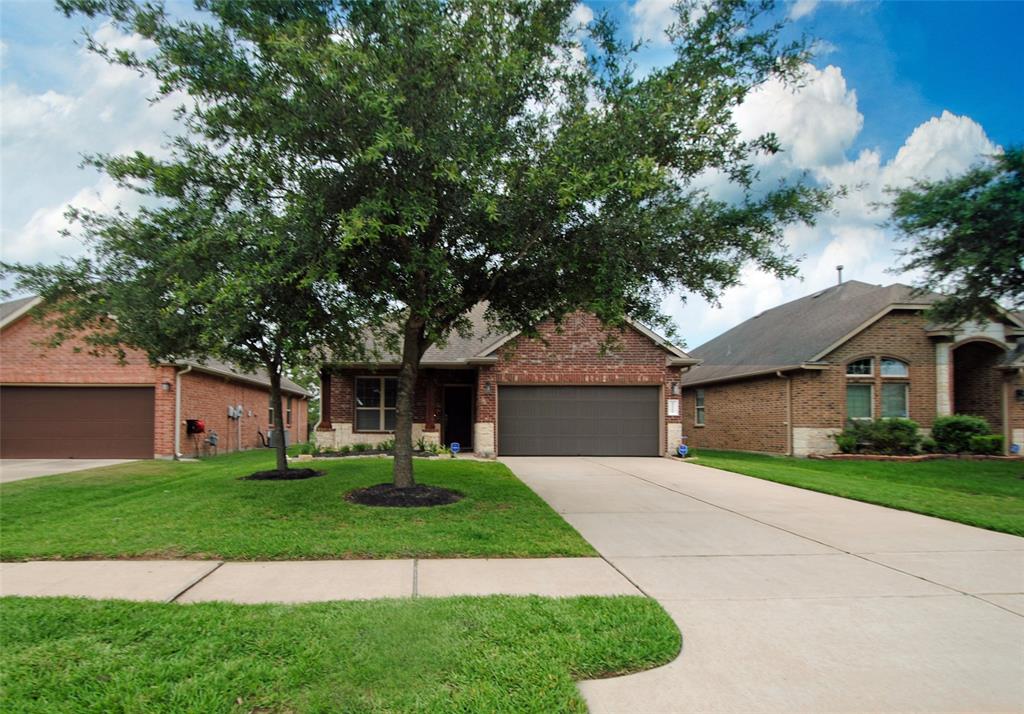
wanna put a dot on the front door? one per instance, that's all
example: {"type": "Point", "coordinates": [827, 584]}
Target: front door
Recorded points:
{"type": "Point", "coordinates": [457, 424]}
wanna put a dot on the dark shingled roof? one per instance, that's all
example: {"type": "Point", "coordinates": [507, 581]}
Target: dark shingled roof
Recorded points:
{"type": "Point", "coordinates": [211, 366]}
{"type": "Point", "coordinates": [797, 332]}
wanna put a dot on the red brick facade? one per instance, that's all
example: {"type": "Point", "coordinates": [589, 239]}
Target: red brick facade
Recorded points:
{"type": "Point", "coordinates": [24, 361]}
{"type": "Point", "coordinates": [751, 414]}
{"type": "Point", "coordinates": [577, 352]}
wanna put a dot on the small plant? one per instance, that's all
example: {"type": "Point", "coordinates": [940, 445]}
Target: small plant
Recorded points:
{"type": "Point", "coordinates": [953, 434]}
{"type": "Point", "coordinates": [386, 445]}
{"type": "Point", "coordinates": [346, 449]}
{"type": "Point", "coordinates": [846, 441]}
{"type": "Point", "coordinates": [421, 444]}
{"type": "Point", "coordinates": [360, 447]}
{"type": "Point", "coordinates": [990, 444]}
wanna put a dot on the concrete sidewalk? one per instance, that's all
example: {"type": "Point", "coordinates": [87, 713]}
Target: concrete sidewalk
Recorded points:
{"type": "Point", "coordinates": [21, 469]}
{"type": "Point", "coordinates": [795, 601]}
{"type": "Point", "coordinates": [312, 580]}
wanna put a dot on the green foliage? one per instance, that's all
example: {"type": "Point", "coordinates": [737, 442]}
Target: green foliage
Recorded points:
{"type": "Point", "coordinates": [436, 655]}
{"type": "Point", "coordinates": [929, 445]}
{"type": "Point", "coordinates": [967, 236]}
{"type": "Point", "coordinates": [386, 445]}
{"type": "Point", "coordinates": [990, 444]}
{"type": "Point", "coordinates": [360, 447]}
{"type": "Point", "coordinates": [452, 152]}
{"type": "Point", "coordinates": [881, 436]}
{"type": "Point", "coordinates": [345, 449]}
{"type": "Point", "coordinates": [953, 434]}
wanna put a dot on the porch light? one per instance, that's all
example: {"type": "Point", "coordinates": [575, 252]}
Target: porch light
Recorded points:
{"type": "Point", "coordinates": [675, 389]}
{"type": "Point", "coordinates": [166, 386]}
{"type": "Point", "coordinates": [487, 387]}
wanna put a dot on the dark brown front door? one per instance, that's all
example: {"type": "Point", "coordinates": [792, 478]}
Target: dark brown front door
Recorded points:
{"type": "Point", "coordinates": [76, 422]}
{"type": "Point", "coordinates": [578, 421]}
{"type": "Point", "coordinates": [458, 416]}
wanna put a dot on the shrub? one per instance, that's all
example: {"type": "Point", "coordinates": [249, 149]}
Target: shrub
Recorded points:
{"type": "Point", "coordinates": [360, 447]}
{"type": "Point", "coordinates": [929, 445]}
{"type": "Point", "coordinates": [953, 434]}
{"type": "Point", "coordinates": [386, 445]}
{"type": "Point", "coordinates": [421, 444]}
{"type": "Point", "coordinates": [881, 436]}
{"type": "Point", "coordinates": [991, 444]}
{"type": "Point", "coordinates": [345, 449]}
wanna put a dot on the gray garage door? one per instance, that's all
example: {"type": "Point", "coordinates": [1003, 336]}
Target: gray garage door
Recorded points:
{"type": "Point", "coordinates": [578, 421]}
{"type": "Point", "coordinates": [76, 422]}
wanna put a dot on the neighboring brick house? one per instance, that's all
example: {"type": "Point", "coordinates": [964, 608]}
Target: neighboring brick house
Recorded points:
{"type": "Point", "coordinates": [63, 402]}
{"type": "Point", "coordinates": [577, 388]}
{"type": "Point", "coordinates": [787, 380]}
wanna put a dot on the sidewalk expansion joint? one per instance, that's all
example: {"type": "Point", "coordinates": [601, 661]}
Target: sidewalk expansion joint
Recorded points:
{"type": "Point", "coordinates": [195, 582]}
{"type": "Point", "coordinates": [415, 577]}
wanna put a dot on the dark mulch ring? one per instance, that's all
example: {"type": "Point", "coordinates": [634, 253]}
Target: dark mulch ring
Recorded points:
{"type": "Point", "coordinates": [386, 494]}
{"type": "Point", "coordinates": [367, 452]}
{"type": "Point", "coordinates": [289, 475]}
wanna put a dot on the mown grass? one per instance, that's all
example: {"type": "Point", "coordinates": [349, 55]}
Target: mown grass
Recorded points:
{"type": "Point", "coordinates": [166, 510]}
{"type": "Point", "coordinates": [494, 654]}
{"type": "Point", "coordinates": [988, 494]}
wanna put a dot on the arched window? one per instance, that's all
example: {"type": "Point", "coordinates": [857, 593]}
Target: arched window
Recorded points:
{"type": "Point", "coordinates": [894, 368]}
{"type": "Point", "coordinates": [860, 367]}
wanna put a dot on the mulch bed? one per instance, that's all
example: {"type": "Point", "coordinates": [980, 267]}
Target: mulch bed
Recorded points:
{"type": "Point", "coordinates": [916, 457]}
{"type": "Point", "coordinates": [367, 452]}
{"type": "Point", "coordinates": [386, 494]}
{"type": "Point", "coordinates": [289, 475]}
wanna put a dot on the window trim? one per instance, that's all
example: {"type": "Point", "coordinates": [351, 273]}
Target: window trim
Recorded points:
{"type": "Point", "coordinates": [270, 410]}
{"type": "Point", "coordinates": [906, 399]}
{"type": "Point", "coordinates": [699, 408]}
{"type": "Point", "coordinates": [288, 413]}
{"type": "Point", "coordinates": [883, 375]}
{"type": "Point", "coordinates": [871, 369]}
{"type": "Point", "coordinates": [381, 410]}
{"type": "Point", "coordinates": [871, 400]}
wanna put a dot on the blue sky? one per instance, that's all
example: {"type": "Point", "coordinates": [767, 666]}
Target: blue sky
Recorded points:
{"type": "Point", "coordinates": [897, 90]}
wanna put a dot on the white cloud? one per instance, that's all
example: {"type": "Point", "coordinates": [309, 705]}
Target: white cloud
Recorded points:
{"type": "Point", "coordinates": [816, 125]}
{"type": "Point", "coordinates": [104, 109]}
{"type": "Point", "coordinates": [802, 8]}
{"type": "Point", "coordinates": [581, 14]}
{"type": "Point", "coordinates": [650, 20]}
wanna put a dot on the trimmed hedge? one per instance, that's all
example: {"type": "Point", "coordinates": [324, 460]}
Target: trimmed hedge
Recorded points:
{"type": "Point", "coordinates": [897, 437]}
{"type": "Point", "coordinates": [953, 434]}
{"type": "Point", "coordinates": [991, 444]}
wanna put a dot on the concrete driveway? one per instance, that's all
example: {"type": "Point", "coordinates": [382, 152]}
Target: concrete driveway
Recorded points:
{"type": "Point", "coordinates": [20, 469]}
{"type": "Point", "coordinates": [796, 601]}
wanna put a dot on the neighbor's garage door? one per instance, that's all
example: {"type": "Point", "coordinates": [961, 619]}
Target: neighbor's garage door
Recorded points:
{"type": "Point", "coordinates": [76, 422]}
{"type": "Point", "coordinates": [577, 421]}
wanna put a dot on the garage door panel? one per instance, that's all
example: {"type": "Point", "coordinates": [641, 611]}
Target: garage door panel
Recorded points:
{"type": "Point", "coordinates": [76, 422]}
{"type": "Point", "coordinates": [578, 420]}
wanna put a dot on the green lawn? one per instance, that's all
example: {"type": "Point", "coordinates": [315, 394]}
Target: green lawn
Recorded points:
{"type": "Point", "coordinates": [989, 494]}
{"type": "Point", "coordinates": [168, 510]}
{"type": "Point", "coordinates": [494, 654]}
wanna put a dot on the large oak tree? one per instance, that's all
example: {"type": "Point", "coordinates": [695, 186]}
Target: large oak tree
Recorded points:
{"type": "Point", "coordinates": [461, 151]}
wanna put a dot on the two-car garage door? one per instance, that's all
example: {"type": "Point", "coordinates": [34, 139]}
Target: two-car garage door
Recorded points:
{"type": "Point", "coordinates": [76, 422]}
{"type": "Point", "coordinates": [576, 421]}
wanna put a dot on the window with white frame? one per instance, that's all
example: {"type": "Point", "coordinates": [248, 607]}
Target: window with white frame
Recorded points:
{"type": "Point", "coordinates": [376, 401]}
{"type": "Point", "coordinates": [288, 413]}
{"type": "Point", "coordinates": [858, 401]}
{"type": "Point", "coordinates": [894, 368]}
{"type": "Point", "coordinates": [698, 417]}
{"type": "Point", "coordinates": [894, 400]}
{"type": "Point", "coordinates": [860, 367]}
{"type": "Point", "coordinates": [270, 410]}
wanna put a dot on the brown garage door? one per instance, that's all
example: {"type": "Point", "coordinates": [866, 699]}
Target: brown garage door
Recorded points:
{"type": "Point", "coordinates": [578, 421]}
{"type": "Point", "coordinates": [76, 422]}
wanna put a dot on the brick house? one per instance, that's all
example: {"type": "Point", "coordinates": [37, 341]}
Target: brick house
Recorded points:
{"type": "Point", "coordinates": [787, 380]}
{"type": "Point", "coordinates": [65, 403]}
{"type": "Point", "coordinates": [577, 388]}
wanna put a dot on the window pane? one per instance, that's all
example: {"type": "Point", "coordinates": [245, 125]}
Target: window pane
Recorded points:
{"type": "Point", "coordinates": [390, 392]}
{"type": "Point", "coordinates": [368, 419]}
{"type": "Point", "coordinates": [700, 415]}
{"type": "Point", "coordinates": [861, 366]}
{"type": "Point", "coordinates": [894, 400]}
{"type": "Point", "coordinates": [858, 401]}
{"type": "Point", "coordinates": [894, 368]}
{"type": "Point", "coordinates": [367, 392]}
{"type": "Point", "coordinates": [700, 397]}
{"type": "Point", "coordinates": [389, 420]}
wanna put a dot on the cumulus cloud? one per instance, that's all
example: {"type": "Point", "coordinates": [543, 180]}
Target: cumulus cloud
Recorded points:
{"type": "Point", "coordinates": [650, 20]}
{"type": "Point", "coordinates": [817, 124]}
{"type": "Point", "coordinates": [802, 8]}
{"type": "Point", "coordinates": [104, 109]}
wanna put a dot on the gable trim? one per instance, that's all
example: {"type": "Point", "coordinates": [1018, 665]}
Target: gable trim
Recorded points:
{"type": "Point", "coordinates": [865, 325]}
{"type": "Point", "coordinates": [20, 312]}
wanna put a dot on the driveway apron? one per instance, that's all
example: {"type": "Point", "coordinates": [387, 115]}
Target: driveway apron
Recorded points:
{"type": "Point", "coordinates": [796, 601]}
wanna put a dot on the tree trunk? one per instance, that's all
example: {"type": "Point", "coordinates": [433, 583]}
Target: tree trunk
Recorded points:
{"type": "Point", "coordinates": [275, 400]}
{"type": "Point", "coordinates": [413, 345]}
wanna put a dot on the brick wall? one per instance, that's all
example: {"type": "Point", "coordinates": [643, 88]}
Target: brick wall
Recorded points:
{"type": "Point", "coordinates": [748, 415]}
{"type": "Point", "coordinates": [24, 361]}
{"type": "Point", "coordinates": [572, 353]}
{"type": "Point", "coordinates": [977, 384]}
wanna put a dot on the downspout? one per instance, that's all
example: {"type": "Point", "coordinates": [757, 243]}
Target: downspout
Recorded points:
{"type": "Point", "coordinates": [177, 411]}
{"type": "Point", "coordinates": [789, 411]}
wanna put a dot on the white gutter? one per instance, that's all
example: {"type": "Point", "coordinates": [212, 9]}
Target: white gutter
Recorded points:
{"type": "Point", "coordinates": [177, 410]}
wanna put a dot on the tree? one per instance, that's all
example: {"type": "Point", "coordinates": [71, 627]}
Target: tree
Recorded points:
{"type": "Point", "coordinates": [473, 150]}
{"type": "Point", "coordinates": [967, 237]}
{"type": "Point", "coordinates": [229, 264]}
